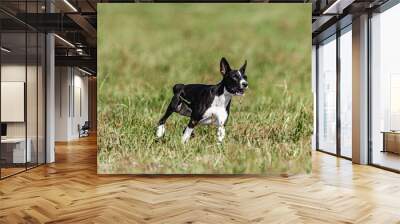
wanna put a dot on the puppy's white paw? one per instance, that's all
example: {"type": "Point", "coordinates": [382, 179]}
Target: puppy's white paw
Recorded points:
{"type": "Point", "coordinates": [160, 131]}
{"type": "Point", "coordinates": [186, 135]}
{"type": "Point", "coordinates": [221, 134]}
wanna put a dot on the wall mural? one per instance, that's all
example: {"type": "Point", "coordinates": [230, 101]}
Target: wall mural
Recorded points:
{"type": "Point", "coordinates": [204, 89]}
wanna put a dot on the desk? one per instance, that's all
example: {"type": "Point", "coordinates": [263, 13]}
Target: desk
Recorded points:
{"type": "Point", "coordinates": [13, 150]}
{"type": "Point", "coordinates": [391, 141]}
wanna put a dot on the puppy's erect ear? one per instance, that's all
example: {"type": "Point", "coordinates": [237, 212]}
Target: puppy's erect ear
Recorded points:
{"type": "Point", "coordinates": [224, 66]}
{"type": "Point", "coordinates": [243, 68]}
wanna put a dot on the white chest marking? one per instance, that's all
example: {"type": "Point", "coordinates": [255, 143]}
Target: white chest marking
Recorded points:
{"type": "Point", "coordinates": [217, 110]}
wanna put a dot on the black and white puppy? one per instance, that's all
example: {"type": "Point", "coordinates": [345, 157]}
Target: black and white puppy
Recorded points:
{"type": "Point", "coordinates": [206, 104]}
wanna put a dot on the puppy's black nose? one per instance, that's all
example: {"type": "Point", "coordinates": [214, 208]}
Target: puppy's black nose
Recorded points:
{"type": "Point", "coordinates": [245, 84]}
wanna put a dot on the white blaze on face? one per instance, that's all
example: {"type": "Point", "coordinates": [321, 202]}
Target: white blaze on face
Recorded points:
{"type": "Point", "coordinates": [242, 81]}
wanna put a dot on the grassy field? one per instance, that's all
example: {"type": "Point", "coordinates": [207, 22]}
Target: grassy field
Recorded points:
{"type": "Point", "coordinates": [144, 49]}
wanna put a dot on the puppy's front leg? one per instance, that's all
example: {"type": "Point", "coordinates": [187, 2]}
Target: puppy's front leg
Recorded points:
{"type": "Point", "coordinates": [221, 118]}
{"type": "Point", "coordinates": [188, 131]}
{"type": "Point", "coordinates": [221, 133]}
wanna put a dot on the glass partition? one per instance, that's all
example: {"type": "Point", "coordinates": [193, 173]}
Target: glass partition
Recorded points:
{"type": "Point", "coordinates": [346, 92]}
{"type": "Point", "coordinates": [327, 95]}
{"type": "Point", "coordinates": [23, 90]}
{"type": "Point", "coordinates": [385, 89]}
{"type": "Point", "coordinates": [41, 109]}
{"type": "Point", "coordinates": [32, 95]}
{"type": "Point", "coordinates": [14, 153]}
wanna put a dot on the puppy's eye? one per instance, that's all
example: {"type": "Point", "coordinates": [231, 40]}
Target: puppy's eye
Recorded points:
{"type": "Point", "coordinates": [245, 76]}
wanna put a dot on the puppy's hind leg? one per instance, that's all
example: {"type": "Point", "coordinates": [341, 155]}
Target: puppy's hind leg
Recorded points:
{"type": "Point", "coordinates": [161, 124]}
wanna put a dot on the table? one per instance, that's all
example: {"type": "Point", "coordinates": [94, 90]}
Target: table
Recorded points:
{"type": "Point", "coordinates": [391, 141]}
{"type": "Point", "coordinates": [13, 150]}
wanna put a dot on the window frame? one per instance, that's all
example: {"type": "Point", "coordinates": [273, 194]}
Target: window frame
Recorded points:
{"type": "Point", "coordinates": [339, 32]}
{"type": "Point", "coordinates": [381, 9]}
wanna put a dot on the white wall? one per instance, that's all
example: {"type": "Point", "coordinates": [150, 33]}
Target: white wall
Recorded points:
{"type": "Point", "coordinates": [62, 82]}
{"type": "Point", "coordinates": [80, 83]}
{"type": "Point", "coordinates": [70, 83]}
{"type": "Point", "coordinates": [13, 101]}
{"type": "Point", "coordinates": [33, 126]}
{"type": "Point", "coordinates": [12, 73]}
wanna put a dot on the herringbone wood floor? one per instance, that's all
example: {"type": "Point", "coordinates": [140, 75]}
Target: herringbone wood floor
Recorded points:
{"type": "Point", "coordinates": [70, 191]}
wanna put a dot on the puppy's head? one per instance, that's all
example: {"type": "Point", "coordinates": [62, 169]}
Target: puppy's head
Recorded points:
{"type": "Point", "coordinates": [235, 81]}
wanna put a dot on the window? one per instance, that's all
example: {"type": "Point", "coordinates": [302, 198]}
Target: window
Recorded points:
{"type": "Point", "coordinates": [327, 95]}
{"type": "Point", "coordinates": [346, 92]}
{"type": "Point", "coordinates": [385, 89]}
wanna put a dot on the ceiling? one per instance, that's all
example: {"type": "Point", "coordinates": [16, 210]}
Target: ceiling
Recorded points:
{"type": "Point", "coordinates": [331, 15]}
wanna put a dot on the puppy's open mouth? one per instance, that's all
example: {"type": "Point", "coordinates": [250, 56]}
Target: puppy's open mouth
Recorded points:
{"type": "Point", "coordinates": [240, 92]}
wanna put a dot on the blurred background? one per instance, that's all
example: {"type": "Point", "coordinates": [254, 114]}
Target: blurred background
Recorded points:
{"type": "Point", "coordinates": [145, 49]}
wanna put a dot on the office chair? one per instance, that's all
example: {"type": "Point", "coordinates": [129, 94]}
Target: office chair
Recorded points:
{"type": "Point", "coordinates": [84, 130]}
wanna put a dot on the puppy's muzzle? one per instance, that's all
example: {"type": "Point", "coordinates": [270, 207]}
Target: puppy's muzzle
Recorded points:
{"type": "Point", "coordinates": [244, 84]}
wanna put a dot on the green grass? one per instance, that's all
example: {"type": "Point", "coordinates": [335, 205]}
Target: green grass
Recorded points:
{"type": "Point", "coordinates": [144, 49]}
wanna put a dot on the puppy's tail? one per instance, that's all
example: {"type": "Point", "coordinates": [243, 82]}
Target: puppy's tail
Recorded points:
{"type": "Point", "coordinates": [178, 88]}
